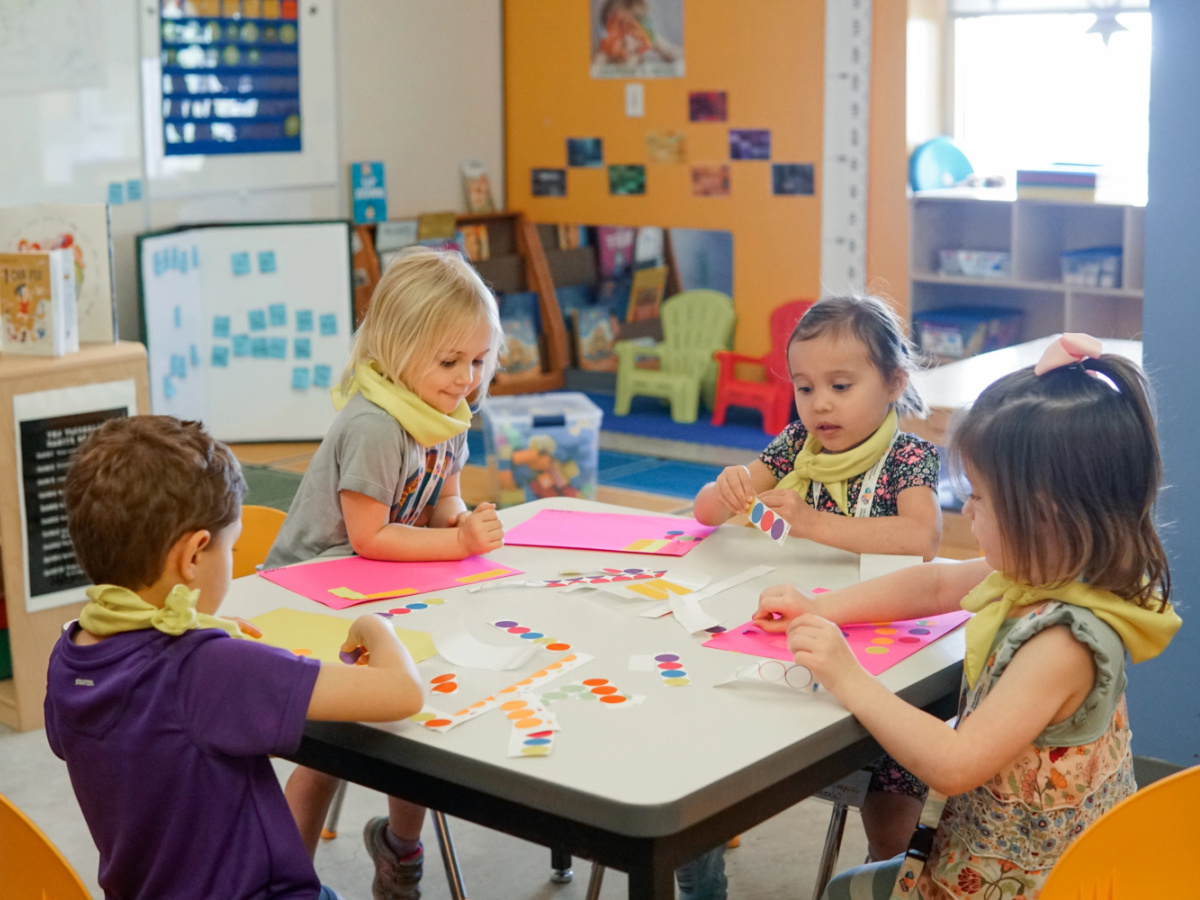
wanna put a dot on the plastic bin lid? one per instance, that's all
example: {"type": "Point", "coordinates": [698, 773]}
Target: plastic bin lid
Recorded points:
{"type": "Point", "coordinates": [552, 403]}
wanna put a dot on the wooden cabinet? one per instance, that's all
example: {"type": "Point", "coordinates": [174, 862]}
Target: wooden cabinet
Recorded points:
{"type": "Point", "coordinates": [71, 392]}
{"type": "Point", "coordinates": [1034, 233]}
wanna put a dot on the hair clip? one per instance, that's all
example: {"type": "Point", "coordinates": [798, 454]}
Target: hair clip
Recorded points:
{"type": "Point", "coordinates": [1071, 347]}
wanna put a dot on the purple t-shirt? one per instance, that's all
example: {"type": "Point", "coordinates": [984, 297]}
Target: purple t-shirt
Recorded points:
{"type": "Point", "coordinates": [167, 740]}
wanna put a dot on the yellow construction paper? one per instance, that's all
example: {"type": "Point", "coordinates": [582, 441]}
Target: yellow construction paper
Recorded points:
{"type": "Point", "coordinates": [321, 636]}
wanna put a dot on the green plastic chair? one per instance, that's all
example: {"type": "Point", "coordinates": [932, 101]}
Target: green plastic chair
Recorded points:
{"type": "Point", "coordinates": [695, 325]}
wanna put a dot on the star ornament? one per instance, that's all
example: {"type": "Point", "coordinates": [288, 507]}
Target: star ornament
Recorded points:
{"type": "Point", "coordinates": [1106, 25]}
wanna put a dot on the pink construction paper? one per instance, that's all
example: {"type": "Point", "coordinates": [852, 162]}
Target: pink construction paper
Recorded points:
{"type": "Point", "coordinates": [867, 641]}
{"type": "Point", "coordinates": [373, 576]}
{"type": "Point", "coordinates": [608, 531]}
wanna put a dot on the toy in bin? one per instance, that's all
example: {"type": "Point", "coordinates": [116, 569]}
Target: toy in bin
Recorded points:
{"type": "Point", "coordinates": [541, 445]}
{"type": "Point", "coordinates": [960, 332]}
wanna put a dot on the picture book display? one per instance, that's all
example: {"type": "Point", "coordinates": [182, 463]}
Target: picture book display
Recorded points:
{"type": "Point", "coordinates": [368, 192]}
{"type": "Point", "coordinates": [247, 326]}
{"type": "Point", "coordinates": [617, 532]}
{"type": "Point", "coordinates": [614, 245]}
{"type": "Point", "coordinates": [595, 333]}
{"type": "Point", "coordinates": [476, 188]}
{"type": "Point", "coordinates": [475, 242]}
{"type": "Point", "coordinates": [83, 229]}
{"type": "Point", "coordinates": [646, 293]}
{"type": "Point", "coordinates": [877, 646]}
{"type": "Point", "coordinates": [339, 583]}
{"type": "Point", "coordinates": [37, 303]}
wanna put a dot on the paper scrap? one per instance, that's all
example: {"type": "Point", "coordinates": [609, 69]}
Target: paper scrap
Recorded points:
{"type": "Point", "coordinates": [322, 635]}
{"type": "Point", "coordinates": [773, 671]}
{"type": "Point", "coordinates": [593, 689]}
{"type": "Point", "coordinates": [668, 665]}
{"type": "Point", "coordinates": [533, 726]}
{"type": "Point", "coordinates": [711, 590]}
{"type": "Point", "coordinates": [511, 626]}
{"type": "Point", "coordinates": [457, 646]}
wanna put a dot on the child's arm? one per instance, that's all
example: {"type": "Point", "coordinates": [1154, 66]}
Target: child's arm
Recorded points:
{"type": "Point", "coordinates": [386, 689]}
{"type": "Point", "coordinates": [450, 506]}
{"type": "Point", "coordinates": [732, 493]}
{"type": "Point", "coordinates": [1045, 683]}
{"type": "Point", "coordinates": [926, 590]}
{"type": "Point", "coordinates": [915, 530]}
{"type": "Point", "coordinates": [373, 536]}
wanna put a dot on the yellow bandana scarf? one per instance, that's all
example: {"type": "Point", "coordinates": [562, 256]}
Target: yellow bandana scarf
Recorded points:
{"type": "Point", "coordinates": [1145, 632]}
{"type": "Point", "coordinates": [834, 469]}
{"type": "Point", "coordinates": [427, 425]}
{"type": "Point", "coordinates": [111, 610]}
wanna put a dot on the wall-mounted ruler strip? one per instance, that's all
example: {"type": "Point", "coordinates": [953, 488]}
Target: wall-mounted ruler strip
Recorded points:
{"type": "Point", "coordinates": [844, 173]}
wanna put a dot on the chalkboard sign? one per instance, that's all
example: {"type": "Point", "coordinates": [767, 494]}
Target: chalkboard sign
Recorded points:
{"type": "Point", "coordinates": [50, 425]}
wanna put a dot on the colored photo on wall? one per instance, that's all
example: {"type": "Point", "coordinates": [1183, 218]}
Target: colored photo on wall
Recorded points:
{"type": "Point", "coordinates": [637, 38]}
{"type": "Point", "coordinates": [586, 153]}
{"type": "Point", "coordinates": [707, 106]}
{"type": "Point", "coordinates": [792, 178]}
{"type": "Point", "coordinates": [710, 180]}
{"type": "Point", "coordinates": [749, 143]}
{"type": "Point", "coordinates": [548, 182]}
{"type": "Point", "coordinates": [666, 147]}
{"type": "Point", "coordinates": [624, 180]}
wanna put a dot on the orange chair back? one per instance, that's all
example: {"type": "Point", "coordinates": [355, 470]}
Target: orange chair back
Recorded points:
{"type": "Point", "coordinates": [1141, 849]}
{"type": "Point", "coordinates": [260, 525]}
{"type": "Point", "coordinates": [783, 321]}
{"type": "Point", "coordinates": [31, 868]}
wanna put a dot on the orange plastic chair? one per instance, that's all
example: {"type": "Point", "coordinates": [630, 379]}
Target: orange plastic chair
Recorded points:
{"type": "Point", "coordinates": [31, 868]}
{"type": "Point", "coordinates": [260, 525]}
{"type": "Point", "coordinates": [1142, 849]}
{"type": "Point", "coordinates": [773, 395]}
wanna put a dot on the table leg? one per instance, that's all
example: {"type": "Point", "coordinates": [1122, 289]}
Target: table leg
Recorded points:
{"type": "Point", "coordinates": [449, 857]}
{"type": "Point", "coordinates": [651, 879]}
{"type": "Point", "coordinates": [560, 866]}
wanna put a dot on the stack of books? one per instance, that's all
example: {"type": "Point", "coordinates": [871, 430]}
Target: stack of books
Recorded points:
{"type": "Point", "coordinates": [1070, 184]}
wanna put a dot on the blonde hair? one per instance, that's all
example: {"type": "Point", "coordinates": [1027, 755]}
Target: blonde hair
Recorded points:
{"type": "Point", "coordinates": [425, 300]}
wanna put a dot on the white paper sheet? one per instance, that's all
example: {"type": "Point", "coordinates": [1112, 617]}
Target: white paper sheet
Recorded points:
{"type": "Point", "coordinates": [458, 647]}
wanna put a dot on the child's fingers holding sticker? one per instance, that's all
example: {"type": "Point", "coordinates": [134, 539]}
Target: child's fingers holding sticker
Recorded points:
{"type": "Point", "coordinates": [819, 645]}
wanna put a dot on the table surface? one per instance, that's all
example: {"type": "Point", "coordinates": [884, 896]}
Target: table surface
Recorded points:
{"type": "Point", "coordinates": [646, 770]}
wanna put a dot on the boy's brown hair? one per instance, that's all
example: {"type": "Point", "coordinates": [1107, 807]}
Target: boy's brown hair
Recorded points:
{"type": "Point", "coordinates": [137, 485]}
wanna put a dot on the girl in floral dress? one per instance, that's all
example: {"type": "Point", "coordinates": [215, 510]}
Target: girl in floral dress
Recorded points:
{"type": "Point", "coordinates": [1064, 469]}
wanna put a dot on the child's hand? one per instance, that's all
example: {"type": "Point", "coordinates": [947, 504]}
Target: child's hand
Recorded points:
{"type": "Point", "coordinates": [735, 488]}
{"type": "Point", "coordinates": [480, 531]}
{"type": "Point", "coordinates": [792, 507]}
{"type": "Point", "coordinates": [819, 645]}
{"type": "Point", "coordinates": [779, 604]}
{"type": "Point", "coordinates": [367, 631]}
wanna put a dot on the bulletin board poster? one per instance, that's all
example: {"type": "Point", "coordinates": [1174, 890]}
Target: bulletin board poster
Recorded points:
{"type": "Point", "coordinates": [50, 425]}
{"type": "Point", "coordinates": [637, 38]}
{"type": "Point", "coordinates": [230, 76]}
{"type": "Point", "coordinates": [248, 327]}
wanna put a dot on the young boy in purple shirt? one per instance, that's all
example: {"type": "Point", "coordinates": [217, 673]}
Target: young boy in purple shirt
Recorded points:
{"type": "Point", "coordinates": [165, 717]}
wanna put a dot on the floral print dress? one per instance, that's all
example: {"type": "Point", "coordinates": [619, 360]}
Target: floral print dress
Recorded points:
{"type": "Point", "coordinates": [999, 841]}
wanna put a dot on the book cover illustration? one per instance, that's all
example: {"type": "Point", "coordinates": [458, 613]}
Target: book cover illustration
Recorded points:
{"type": "Point", "coordinates": [440, 226]}
{"type": "Point", "coordinates": [646, 293]}
{"type": "Point", "coordinates": [476, 187]}
{"type": "Point", "coordinates": [37, 303]}
{"type": "Point", "coordinates": [520, 357]}
{"type": "Point", "coordinates": [83, 229]}
{"type": "Point", "coordinates": [615, 249]}
{"type": "Point", "coordinates": [595, 334]}
{"type": "Point", "coordinates": [368, 192]}
{"type": "Point", "coordinates": [475, 242]}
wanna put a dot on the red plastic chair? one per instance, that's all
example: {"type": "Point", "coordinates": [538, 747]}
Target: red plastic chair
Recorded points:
{"type": "Point", "coordinates": [773, 395]}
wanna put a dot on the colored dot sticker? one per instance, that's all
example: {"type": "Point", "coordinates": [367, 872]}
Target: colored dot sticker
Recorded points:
{"type": "Point", "coordinates": [536, 742]}
{"type": "Point", "coordinates": [399, 611]}
{"type": "Point", "coordinates": [302, 651]}
{"type": "Point", "coordinates": [777, 529]}
{"type": "Point", "coordinates": [883, 641]}
{"type": "Point", "coordinates": [551, 696]}
{"type": "Point", "coordinates": [435, 601]}
{"type": "Point", "coordinates": [613, 698]}
{"type": "Point", "coordinates": [666, 657]}
{"type": "Point", "coordinates": [418, 606]}
{"type": "Point", "coordinates": [527, 723]}
{"type": "Point", "coordinates": [448, 688]}
{"type": "Point", "coordinates": [535, 751]}
{"type": "Point", "coordinates": [558, 646]}
{"type": "Point", "coordinates": [388, 615]}
{"type": "Point", "coordinates": [885, 630]}
{"type": "Point", "coordinates": [587, 696]}
{"type": "Point", "coordinates": [595, 682]}
{"type": "Point", "coordinates": [716, 629]}
{"type": "Point", "coordinates": [607, 689]}
{"type": "Point", "coordinates": [437, 723]}
{"type": "Point", "coordinates": [677, 682]}
{"type": "Point", "coordinates": [906, 639]}
{"type": "Point", "coordinates": [513, 704]}
{"type": "Point", "coordinates": [504, 623]}
{"type": "Point", "coordinates": [918, 631]}
{"type": "Point", "coordinates": [670, 665]}
{"type": "Point", "coordinates": [518, 629]}
{"type": "Point", "coordinates": [756, 512]}
{"type": "Point", "coordinates": [422, 718]}
{"type": "Point", "coordinates": [768, 518]}
{"type": "Point", "coordinates": [673, 533]}
{"type": "Point", "coordinates": [442, 679]}
{"type": "Point", "coordinates": [876, 649]}
{"type": "Point", "coordinates": [530, 635]}
{"type": "Point", "coordinates": [572, 688]}
{"type": "Point", "coordinates": [673, 673]}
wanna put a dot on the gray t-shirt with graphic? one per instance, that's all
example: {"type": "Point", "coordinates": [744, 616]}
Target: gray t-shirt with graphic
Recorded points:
{"type": "Point", "coordinates": [367, 451]}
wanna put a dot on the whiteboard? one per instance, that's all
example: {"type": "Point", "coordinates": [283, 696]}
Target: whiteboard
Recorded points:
{"type": "Point", "coordinates": [247, 327]}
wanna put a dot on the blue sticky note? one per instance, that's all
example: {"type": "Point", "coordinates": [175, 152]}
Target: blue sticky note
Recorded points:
{"type": "Point", "coordinates": [258, 348]}
{"type": "Point", "coordinates": [258, 320]}
{"type": "Point", "coordinates": [241, 345]}
{"type": "Point", "coordinates": [116, 193]}
{"type": "Point", "coordinates": [194, 353]}
{"type": "Point", "coordinates": [328, 324]}
{"type": "Point", "coordinates": [304, 320]}
{"type": "Point", "coordinates": [322, 376]}
{"type": "Point", "coordinates": [133, 189]}
{"type": "Point", "coordinates": [168, 387]}
{"type": "Point", "coordinates": [220, 356]}
{"type": "Point", "coordinates": [277, 348]}
{"type": "Point", "coordinates": [277, 313]}
{"type": "Point", "coordinates": [300, 379]}
{"type": "Point", "coordinates": [221, 326]}
{"type": "Point", "coordinates": [178, 318]}
{"type": "Point", "coordinates": [302, 348]}
{"type": "Point", "coordinates": [241, 263]}
{"type": "Point", "coordinates": [266, 261]}
{"type": "Point", "coordinates": [178, 365]}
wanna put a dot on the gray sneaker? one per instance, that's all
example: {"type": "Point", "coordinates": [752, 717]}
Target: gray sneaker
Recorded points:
{"type": "Point", "coordinates": [395, 878]}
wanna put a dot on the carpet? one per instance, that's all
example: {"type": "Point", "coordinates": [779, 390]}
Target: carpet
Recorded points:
{"type": "Point", "coordinates": [651, 417]}
{"type": "Point", "coordinates": [270, 487]}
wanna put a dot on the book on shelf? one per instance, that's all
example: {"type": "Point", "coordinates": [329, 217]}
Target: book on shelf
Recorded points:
{"type": "Point", "coordinates": [476, 187]}
{"type": "Point", "coordinates": [397, 235]}
{"type": "Point", "coordinates": [614, 248]}
{"type": "Point", "coordinates": [83, 230]}
{"type": "Point", "coordinates": [646, 293]}
{"type": "Point", "coordinates": [595, 333]}
{"type": "Point", "coordinates": [439, 226]}
{"type": "Point", "coordinates": [475, 242]}
{"type": "Point", "coordinates": [520, 357]}
{"type": "Point", "coordinates": [37, 303]}
{"type": "Point", "coordinates": [1073, 184]}
{"type": "Point", "coordinates": [570, 236]}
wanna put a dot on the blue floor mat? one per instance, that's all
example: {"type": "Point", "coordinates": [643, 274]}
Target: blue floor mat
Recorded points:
{"type": "Point", "coordinates": [652, 418]}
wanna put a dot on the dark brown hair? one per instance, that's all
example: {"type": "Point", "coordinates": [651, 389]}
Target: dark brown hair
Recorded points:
{"type": "Point", "coordinates": [880, 330]}
{"type": "Point", "coordinates": [1071, 465]}
{"type": "Point", "coordinates": [137, 485]}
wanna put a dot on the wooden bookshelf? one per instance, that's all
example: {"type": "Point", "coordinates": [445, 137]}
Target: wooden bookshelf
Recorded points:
{"type": "Point", "coordinates": [32, 634]}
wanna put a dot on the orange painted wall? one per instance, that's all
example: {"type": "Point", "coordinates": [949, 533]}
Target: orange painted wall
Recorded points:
{"type": "Point", "coordinates": [768, 56]}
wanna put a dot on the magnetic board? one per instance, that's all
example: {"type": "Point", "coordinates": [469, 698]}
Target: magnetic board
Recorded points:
{"type": "Point", "coordinates": [247, 327]}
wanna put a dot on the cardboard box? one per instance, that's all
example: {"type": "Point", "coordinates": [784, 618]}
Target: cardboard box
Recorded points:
{"type": "Point", "coordinates": [541, 445]}
{"type": "Point", "coordinates": [960, 332]}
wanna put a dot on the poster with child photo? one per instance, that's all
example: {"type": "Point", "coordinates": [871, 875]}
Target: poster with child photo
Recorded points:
{"type": "Point", "coordinates": [637, 38]}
